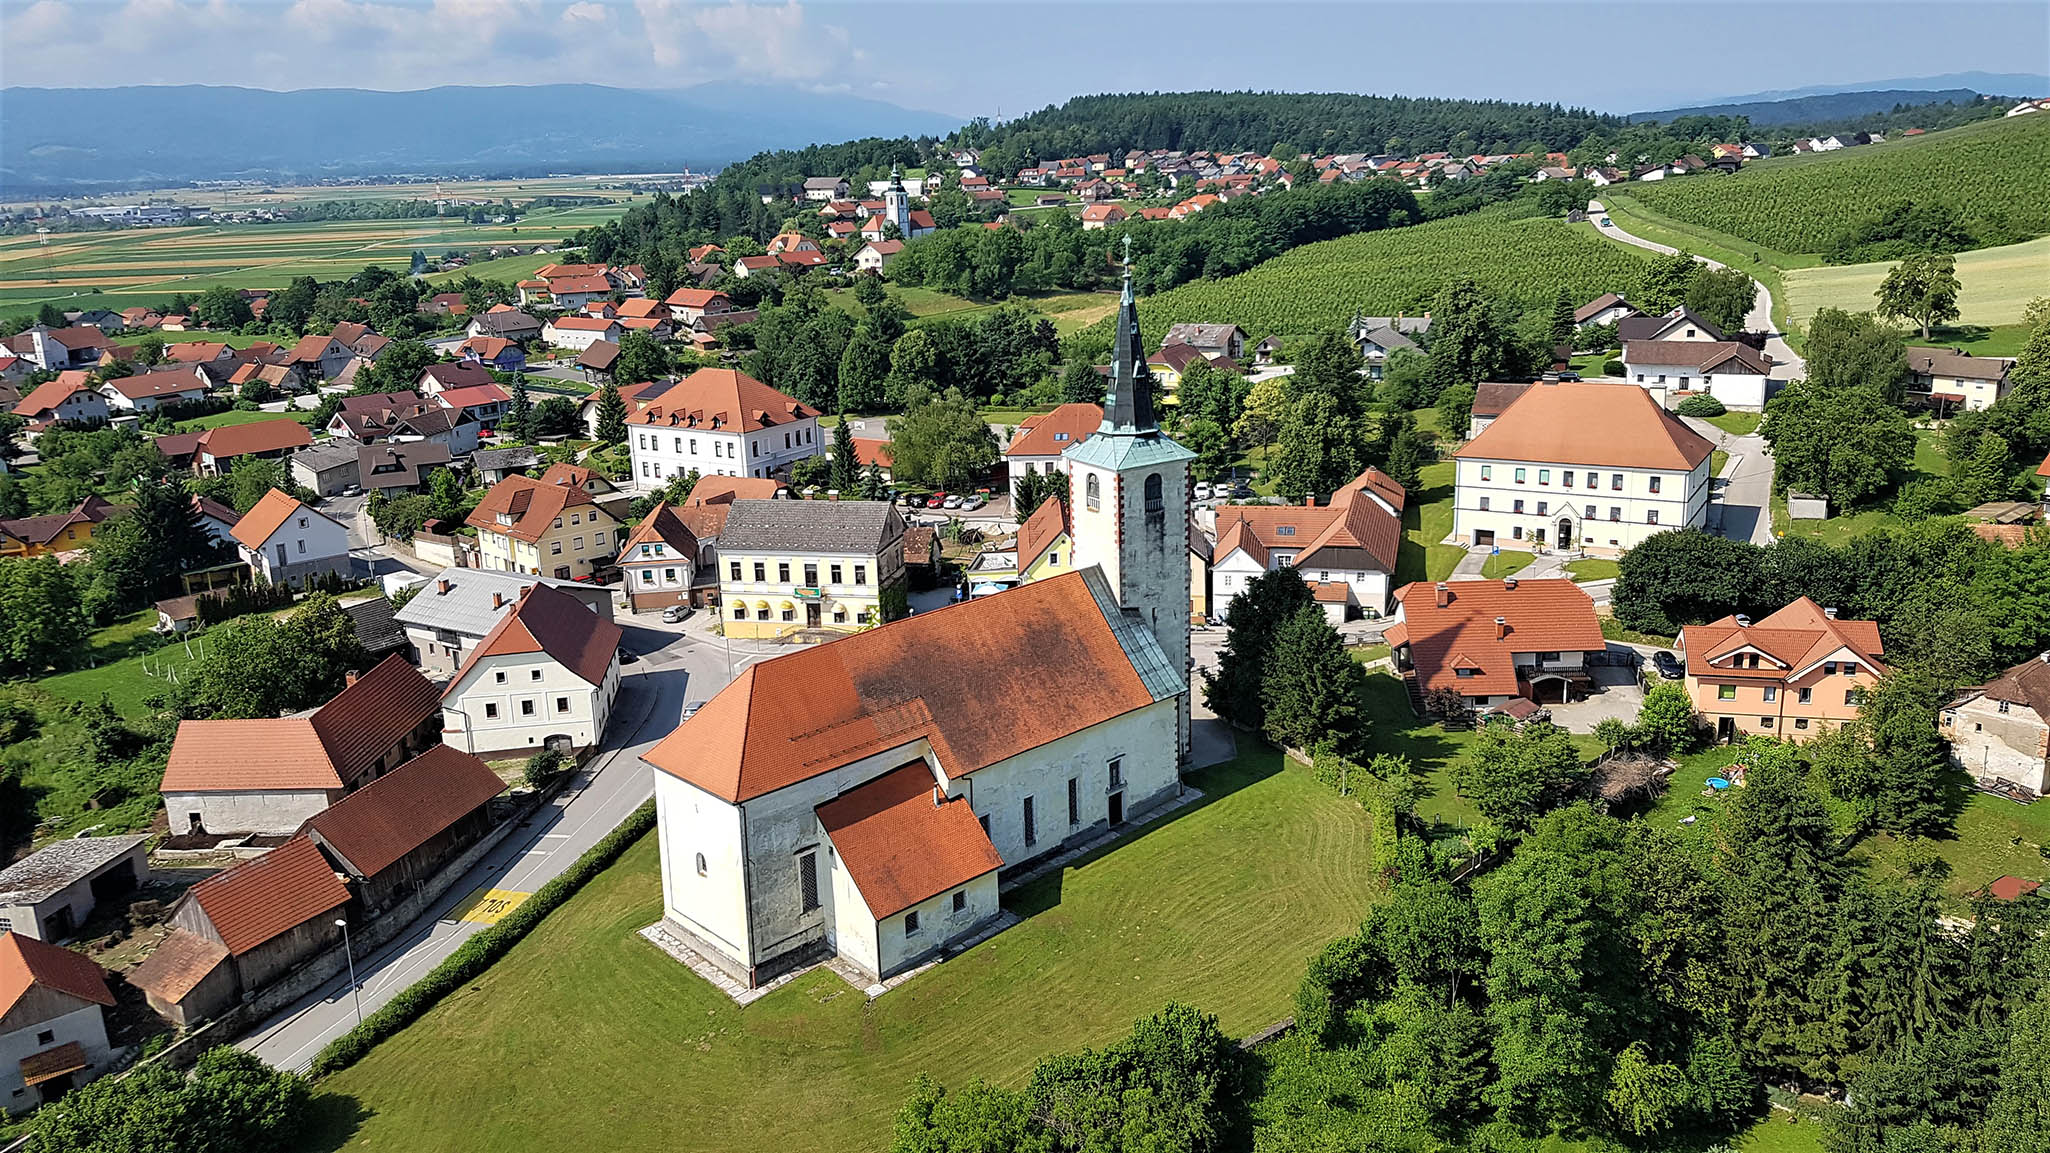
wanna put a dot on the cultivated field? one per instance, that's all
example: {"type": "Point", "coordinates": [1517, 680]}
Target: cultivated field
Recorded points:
{"type": "Point", "coordinates": [1998, 283]}
{"type": "Point", "coordinates": [1318, 287]}
{"type": "Point", "coordinates": [146, 265]}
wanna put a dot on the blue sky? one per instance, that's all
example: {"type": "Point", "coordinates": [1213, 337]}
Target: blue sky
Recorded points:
{"type": "Point", "coordinates": [985, 57]}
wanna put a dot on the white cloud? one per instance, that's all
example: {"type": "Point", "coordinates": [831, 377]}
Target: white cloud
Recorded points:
{"type": "Point", "coordinates": [405, 44]}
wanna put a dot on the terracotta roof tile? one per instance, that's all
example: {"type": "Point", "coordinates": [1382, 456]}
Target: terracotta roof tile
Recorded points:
{"type": "Point", "coordinates": [903, 843]}
{"type": "Point", "coordinates": [529, 507]}
{"type": "Point", "coordinates": [46, 396]}
{"type": "Point", "coordinates": [1541, 616]}
{"type": "Point", "coordinates": [333, 745]}
{"type": "Point", "coordinates": [1605, 425]}
{"type": "Point", "coordinates": [25, 963]}
{"type": "Point", "coordinates": [1793, 640]}
{"type": "Point", "coordinates": [661, 526]}
{"type": "Point", "coordinates": [181, 962]}
{"type": "Point", "coordinates": [547, 620]}
{"type": "Point", "coordinates": [373, 827]}
{"type": "Point", "coordinates": [1053, 433]}
{"type": "Point", "coordinates": [256, 436]}
{"type": "Point", "coordinates": [260, 898]}
{"type": "Point", "coordinates": [983, 680]}
{"type": "Point", "coordinates": [367, 718]}
{"type": "Point", "coordinates": [268, 516]}
{"type": "Point", "coordinates": [722, 399]}
{"type": "Point", "coordinates": [1047, 524]}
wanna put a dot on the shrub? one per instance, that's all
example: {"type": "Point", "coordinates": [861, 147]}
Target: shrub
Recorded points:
{"type": "Point", "coordinates": [1701, 405]}
{"type": "Point", "coordinates": [543, 765]}
{"type": "Point", "coordinates": [1612, 368]}
{"type": "Point", "coordinates": [477, 954]}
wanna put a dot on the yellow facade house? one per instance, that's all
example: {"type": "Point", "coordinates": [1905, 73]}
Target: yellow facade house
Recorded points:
{"type": "Point", "coordinates": [788, 565]}
{"type": "Point", "coordinates": [547, 527]}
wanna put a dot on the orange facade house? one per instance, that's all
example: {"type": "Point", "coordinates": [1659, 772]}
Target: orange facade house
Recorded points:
{"type": "Point", "coordinates": [1792, 674]}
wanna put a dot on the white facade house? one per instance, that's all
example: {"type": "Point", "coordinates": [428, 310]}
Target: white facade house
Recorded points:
{"type": "Point", "coordinates": [719, 422]}
{"type": "Point", "coordinates": [53, 1035]}
{"type": "Point", "coordinates": [1736, 374]}
{"type": "Point", "coordinates": [580, 332]}
{"type": "Point", "coordinates": [67, 398]}
{"type": "Point", "coordinates": [1597, 466]}
{"type": "Point", "coordinates": [1344, 549]}
{"type": "Point", "coordinates": [545, 677]}
{"type": "Point", "coordinates": [283, 541]}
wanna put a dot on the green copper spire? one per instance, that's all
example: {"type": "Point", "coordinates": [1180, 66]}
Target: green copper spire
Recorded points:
{"type": "Point", "coordinates": [1130, 409]}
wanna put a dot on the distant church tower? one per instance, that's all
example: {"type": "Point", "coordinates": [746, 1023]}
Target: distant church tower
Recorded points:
{"type": "Point", "coordinates": [1129, 499]}
{"type": "Point", "coordinates": [897, 204]}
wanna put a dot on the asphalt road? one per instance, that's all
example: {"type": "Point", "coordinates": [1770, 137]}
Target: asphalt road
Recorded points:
{"type": "Point", "coordinates": [1746, 495]}
{"type": "Point", "coordinates": [1786, 363]}
{"type": "Point", "coordinates": [678, 664]}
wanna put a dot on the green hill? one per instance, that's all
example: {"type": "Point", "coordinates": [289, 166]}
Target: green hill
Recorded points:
{"type": "Point", "coordinates": [1988, 176]}
{"type": "Point", "coordinates": [1320, 286]}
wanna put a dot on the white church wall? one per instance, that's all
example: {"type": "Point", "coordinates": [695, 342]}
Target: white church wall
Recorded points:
{"type": "Point", "coordinates": [1143, 741]}
{"type": "Point", "coordinates": [853, 931]}
{"type": "Point", "coordinates": [938, 924]}
{"type": "Point", "coordinates": [712, 906]}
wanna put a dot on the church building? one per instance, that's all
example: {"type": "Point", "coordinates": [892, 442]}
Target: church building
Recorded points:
{"type": "Point", "coordinates": [864, 799]}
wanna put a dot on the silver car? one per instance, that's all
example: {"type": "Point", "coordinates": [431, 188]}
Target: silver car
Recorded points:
{"type": "Point", "coordinates": [951, 502]}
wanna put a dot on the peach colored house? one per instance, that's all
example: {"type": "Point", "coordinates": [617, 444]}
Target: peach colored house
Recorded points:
{"type": "Point", "coordinates": [1792, 674]}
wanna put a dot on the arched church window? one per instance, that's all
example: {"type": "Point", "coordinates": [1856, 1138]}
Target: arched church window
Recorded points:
{"type": "Point", "coordinates": [1092, 495]}
{"type": "Point", "coordinates": [1156, 507]}
{"type": "Point", "coordinates": [701, 864]}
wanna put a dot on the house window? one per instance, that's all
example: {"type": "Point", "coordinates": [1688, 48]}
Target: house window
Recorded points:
{"type": "Point", "coordinates": [302, 522]}
{"type": "Point", "coordinates": [562, 704]}
{"type": "Point", "coordinates": [1465, 672]}
{"type": "Point", "coordinates": [961, 901]}
{"type": "Point", "coordinates": [1829, 668]}
{"type": "Point", "coordinates": [1849, 668]}
{"type": "Point", "coordinates": [1854, 696]}
{"type": "Point", "coordinates": [669, 575]}
{"type": "Point", "coordinates": [1090, 495]}
{"type": "Point", "coordinates": [1519, 506]}
{"type": "Point", "coordinates": [1772, 692]}
{"type": "Point", "coordinates": [46, 1036]}
{"type": "Point", "coordinates": [1544, 507]}
{"type": "Point", "coordinates": [647, 576]}
{"type": "Point", "coordinates": [527, 707]}
{"type": "Point", "coordinates": [533, 674]}
{"type": "Point", "coordinates": [861, 574]}
{"type": "Point", "coordinates": [1807, 695]}
{"type": "Point", "coordinates": [834, 572]}
{"type": "Point", "coordinates": [1544, 476]}
{"type": "Point", "coordinates": [1590, 512]}
{"type": "Point", "coordinates": [1031, 824]}
{"type": "Point", "coordinates": [761, 572]}
{"type": "Point", "coordinates": [1117, 772]}
{"type": "Point", "coordinates": [693, 446]}
{"type": "Point", "coordinates": [808, 881]}
{"type": "Point", "coordinates": [1487, 472]}
{"type": "Point", "coordinates": [555, 548]}
{"type": "Point", "coordinates": [1651, 516]}
{"type": "Point", "coordinates": [783, 572]}
{"type": "Point", "coordinates": [558, 522]}
{"type": "Point", "coordinates": [577, 544]}
{"type": "Point", "coordinates": [761, 612]}
{"type": "Point", "coordinates": [839, 614]}
{"type": "Point", "coordinates": [499, 676]}
{"type": "Point", "coordinates": [1484, 504]}
{"type": "Point", "coordinates": [789, 611]}
{"type": "Point", "coordinates": [911, 924]}
{"type": "Point", "coordinates": [1801, 722]}
{"type": "Point", "coordinates": [1519, 476]}
{"type": "Point", "coordinates": [490, 710]}
{"type": "Point", "coordinates": [1616, 482]}
{"type": "Point", "coordinates": [1517, 532]}
{"type": "Point", "coordinates": [1615, 512]}
{"type": "Point", "coordinates": [1765, 722]}
{"type": "Point", "coordinates": [1566, 478]}
{"type": "Point", "coordinates": [701, 864]}
{"type": "Point", "coordinates": [740, 612]}
{"type": "Point", "coordinates": [1726, 692]}
{"type": "Point", "coordinates": [1074, 802]}
{"type": "Point", "coordinates": [733, 569]}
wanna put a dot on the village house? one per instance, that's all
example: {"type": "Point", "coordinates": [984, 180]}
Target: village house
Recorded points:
{"type": "Point", "coordinates": [459, 607]}
{"type": "Point", "coordinates": [1344, 550]}
{"type": "Point", "coordinates": [875, 256]}
{"type": "Point", "coordinates": [68, 398]}
{"type": "Point", "coordinates": [267, 776]}
{"type": "Point", "coordinates": [326, 468]}
{"type": "Point", "coordinates": [1608, 308]}
{"type": "Point", "coordinates": [318, 357]}
{"type": "Point", "coordinates": [596, 362]}
{"type": "Point", "coordinates": [719, 422]}
{"type": "Point", "coordinates": [399, 469]}
{"type": "Point", "coordinates": [217, 449]}
{"type": "Point", "coordinates": [1681, 324]}
{"type": "Point", "coordinates": [1379, 337]}
{"type": "Point", "coordinates": [1952, 379]}
{"type": "Point", "coordinates": [1490, 398]}
{"type": "Point", "coordinates": [1579, 465]}
{"type": "Point", "coordinates": [482, 404]}
{"type": "Point", "coordinates": [1491, 642]}
{"type": "Point", "coordinates": [807, 564]}
{"type": "Point", "coordinates": [1999, 732]}
{"type": "Point", "coordinates": [550, 526]}
{"type": "Point", "coordinates": [439, 378]}
{"type": "Point", "coordinates": [58, 534]}
{"type": "Point", "coordinates": [1040, 440]}
{"type": "Point", "coordinates": [1734, 373]}
{"type": "Point", "coordinates": [1100, 216]}
{"type": "Point", "coordinates": [392, 836]}
{"type": "Point", "coordinates": [821, 189]}
{"type": "Point", "coordinates": [405, 416]}
{"type": "Point", "coordinates": [688, 305]}
{"type": "Point", "coordinates": [53, 1035]}
{"type": "Point", "coordinates": [285, 542]}
{"type": "Point", "coordinates": [1212, 340]}
{"type": "Point", "coordinates": [57, 349]}
{"type": "Point", "coordinates": [503, 320]}
{"type": "Point", "coordinates": [579, 332]}
{"type": "Point", "coordinates": [545, 676]}
{"type": "Point", "coordinates": [48, 894]}
{"type": "Point", "coordinates": [1791, 675]}
{"type": "Point", "coordinates": [660, 562]}
{"type": "Point", "coordinates": [149, 391]}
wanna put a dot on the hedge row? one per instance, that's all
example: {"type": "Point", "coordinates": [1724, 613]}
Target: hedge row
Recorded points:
{"type": "Point", "coordinates": [1351, 779]}
{"type": "Point", "coordinates": [478, 953]}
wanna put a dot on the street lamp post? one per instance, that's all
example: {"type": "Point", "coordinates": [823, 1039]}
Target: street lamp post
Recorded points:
{"type": "Point", "coordinates": [355, 990]}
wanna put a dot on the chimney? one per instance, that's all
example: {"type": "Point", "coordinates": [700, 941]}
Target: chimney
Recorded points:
{"type": "Point", "coordinates": [441, 587]}
{"type": "Point", "coordinates": [348, 679]}
{"type": "Point", "coordinates": [1501, 627]}
{"type": "Point", "coordinates": [1830, 613]}
{"type": "Point", "coordinates": [2044, 656]}
{"type": "Point", "coordinates": [1444, 594]}
{"type": "Point", "coordinates": [498, 600]}
{"type": "Point", "coordinates": [1743, 622]}
{"type": "Point", "coordinates": [1509, 583]}
{"type": "Point", "coordinates": [1309, 502]}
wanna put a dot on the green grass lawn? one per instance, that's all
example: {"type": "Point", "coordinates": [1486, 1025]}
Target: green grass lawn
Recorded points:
{"type": "Point", "coordinates": [1426, 520]}
{"type": "Point", "coordinates": [1840, 529]}
{"type": "Point", "coordinates": [1590, 364]}
{"type": "Point", "coordinates": [1593, 569]}
{"type": "Point", "coordinates": [1995, 284]}
{"type": "Point", "coordinates": [1612, 629]}
{"type": "Point", "coordinates": [1716, 460]}
{"type": "Point", "coordinates": [1506, 563]}
{"type": "Point", "coordinates": [117, 655]}
{"type": "Point", "coordinates": [1219, 905]}
{"type": "Point", "coordinates": [1737, 423]}
{"type": "Point", "coordinates": [1368, 654]}
{"type": "Point", "coordinates": [238, 416]}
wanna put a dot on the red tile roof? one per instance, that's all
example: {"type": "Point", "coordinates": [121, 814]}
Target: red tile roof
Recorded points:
{"type": "Point", "coordinates": [46, 396]}
{"type": "Point", "coordinates": [265, 896]}
{"type": "Point", "coordinates": [268, 516]}
{"type": "Point", "coordinates": [903, 842]}
{"type": "Point", "coordinates": [310, 349]}
{"type": "Point", "coordinates": [1053, 433]}
{"type": "Point", "coordinates": [549, 621]}
{"type": "Point", "coordinates": [233, 440]}
{"type": "Point", "coordinates": [529, 505]}
{"type": "Point", "coordinates": [1605, 425]}
{"type": "Point", "coordinates": [366, 719]}
{"type": "Point", "coordinates": [1039, 532]}
{"type": "Point", "coordinates": [873, 450]}
{"type": "Point", "coordinates": [725, 400]}
{"type": "Point", "coordinates": [2012, 888]}
{"type": "Point", "coordinates": [194, 351]}
{"type": "Point", "coordinates": [333, 745]}
{"type": "Point", "coordinates": [1539, 616]}
{"type": "Point", "coordinates": [983, 680]}
{"type": "Point", "coordinates": [373, 827]}
{"type": "Point", "coordinates": [1793, 640]}
{"type": "Point", "coordinates": [473, 395]}
{"type": "Point", "coordinates": [661, 526]}
{"type": "Point", "coordinates": [694, 297]}
{"type": "Point", "coordinates": [180, 963]}
{"type": "Point", "coordinates": [1355, 532]}
{"type": "Point", "coordinates": [25, 963]}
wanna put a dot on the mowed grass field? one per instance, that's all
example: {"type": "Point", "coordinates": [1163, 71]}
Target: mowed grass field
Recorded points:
{"type": "Point", "coordinates": [586, 1036]}
{"type": "Point", "coordinates": [1997, 283]}
{"type": "Point", "coordinates": [146, 265]}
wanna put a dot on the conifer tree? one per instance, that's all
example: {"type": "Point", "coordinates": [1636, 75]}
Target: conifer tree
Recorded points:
{"type": "Point", "coordinates": [611, 415]}
{"type": "Point", "coordinates": [519, 415]}
{"type": "Point", "coordinates": [846, 466]}
{"type": "Point", "coordinates": [1311, 691]}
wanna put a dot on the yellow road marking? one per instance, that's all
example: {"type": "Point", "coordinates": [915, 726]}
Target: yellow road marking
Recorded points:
{"type": "Point", "coordinates": [487, 906]}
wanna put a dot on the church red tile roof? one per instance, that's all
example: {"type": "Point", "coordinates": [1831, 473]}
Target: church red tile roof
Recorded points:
{"type": "Point", "coordinates": [904, 842]}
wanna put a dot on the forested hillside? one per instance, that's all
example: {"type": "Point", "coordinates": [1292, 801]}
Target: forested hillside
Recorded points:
{"type": "Point", "coordinates": [1975, 187]}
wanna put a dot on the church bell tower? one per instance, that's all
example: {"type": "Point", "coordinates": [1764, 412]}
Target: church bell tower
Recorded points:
{"type": "Point", "coordinates": [1129, 500]}
{"type": "Point", "coordinates": [897, 204]}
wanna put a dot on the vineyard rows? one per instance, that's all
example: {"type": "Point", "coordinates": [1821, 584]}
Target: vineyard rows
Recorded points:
{"type": "Point", "coordinates": [1991, 174]}
{"type": "Point", "coordinates": [1318, 287]}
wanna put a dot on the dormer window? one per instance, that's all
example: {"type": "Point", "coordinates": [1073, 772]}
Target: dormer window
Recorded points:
{"type": "Point", "coordinates": [1060, 436]}
{"type": "Point", "coordinates": [1284, 530]}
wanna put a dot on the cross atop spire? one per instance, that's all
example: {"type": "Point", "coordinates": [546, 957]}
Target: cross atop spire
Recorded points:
{"type": "Point", "coordinates": [1130, 408]}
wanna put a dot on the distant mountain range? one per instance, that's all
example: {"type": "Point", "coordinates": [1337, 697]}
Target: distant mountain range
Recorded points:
{"type": "Point", "coordinates": [76, 138]}
{"type": "Point", "coordinates": [1848, 101]}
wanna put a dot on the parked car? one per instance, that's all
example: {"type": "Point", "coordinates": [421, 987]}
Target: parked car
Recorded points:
{"type": "Point", "coordinates": [936, 500]}
{"type": "Point", "coordinates": [951, 502]}
{"type": "Point", "coordinates": [675, 614]}
{"type": "Point", "coordinates": [353, 490]}
{"type": "Point", "coordinates": [690, 710]}
{"type": "Point", "coordinates": [972, 503]}
{"type": "Point", "coordinates": [1241, 492]}
{"type": "Point", "coordinates": [1203, 490]}
{"type": "Point", "coordinates": [1668, 665]}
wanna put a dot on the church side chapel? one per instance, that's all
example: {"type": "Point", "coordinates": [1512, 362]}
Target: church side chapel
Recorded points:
{"type": "Point", "coordinates": [863, 799]}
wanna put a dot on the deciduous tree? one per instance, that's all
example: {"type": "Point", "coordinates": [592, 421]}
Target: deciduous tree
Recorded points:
{"type": "Point", "coordinates": [1922, 288]}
